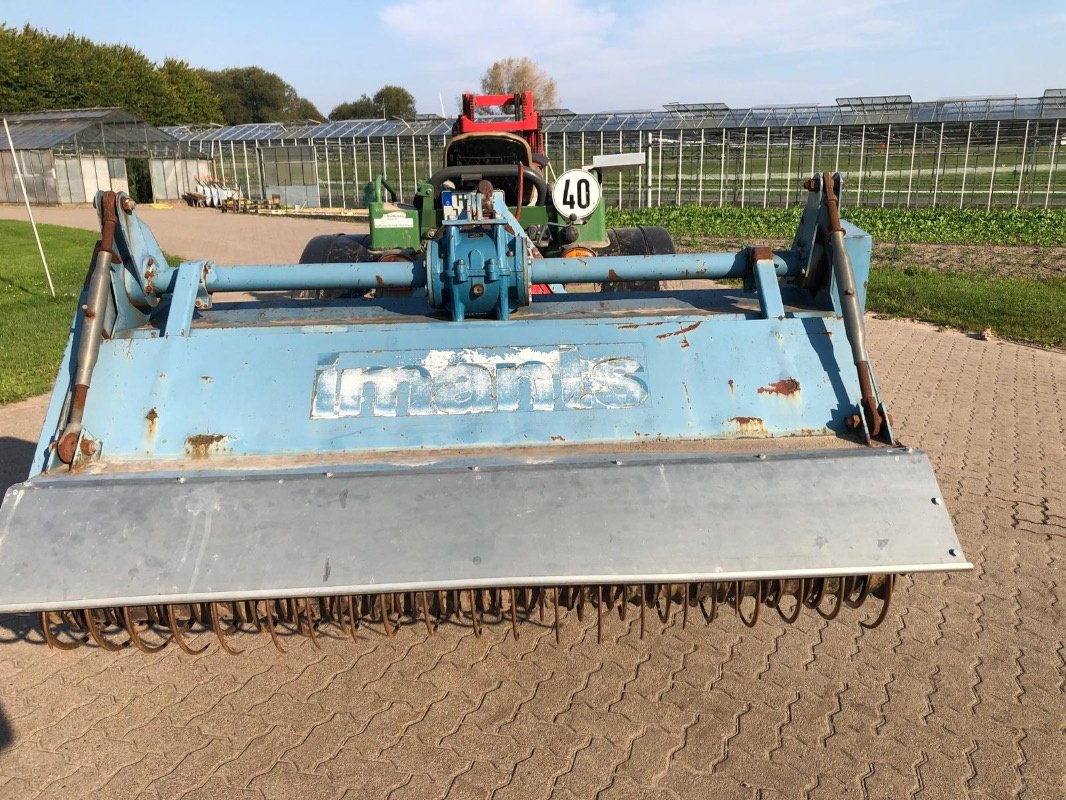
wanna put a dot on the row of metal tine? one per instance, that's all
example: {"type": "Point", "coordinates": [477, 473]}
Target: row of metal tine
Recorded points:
{"type": "Point", "coordinates": [150, 628]}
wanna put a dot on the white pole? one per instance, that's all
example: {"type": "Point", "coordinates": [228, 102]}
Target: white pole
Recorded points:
{"type": "Point", "coordinates": [1021, 168]}
{"type": "Point", "coordinates": [29, 211]}
{"type": "Point", "coordinates": [910, 171]}
{"type": "Point", "coordinates": [1051, 170]}
{"type": "Point", "coordinates": [766, 173]}
{"type": "Point", "coordinates": [340, 162]}
{"type": "Point", "coordinates": [658, 172]}
{"type": "Point", "coordinates": [721, 174]}
{"type": "Point", "coordinates": [965, 165]}
{"type": "Point", "coordinates": [939, 151]}
{"type": "Point", "coordinates": [992, 180]}
{"type": "Point", "coordinates": [884, 169]}
{"type": "Point", "coordinates": [703, 142]}
{"type": "Point", "coordinates": [329, 176]}
{"type": "Point", "coordinates": [862, 166]}
{"type": "Point", "coordinates": [744, 170]}
{"type": "Point", "coordinates": [788, 169]}
{"type": "Point", "coordinates": [680, 148]}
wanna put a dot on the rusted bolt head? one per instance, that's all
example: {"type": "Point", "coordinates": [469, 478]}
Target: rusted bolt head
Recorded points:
{"type": "Point", "coordinates": [128, 205]}
{"type": "Point", "coordinates": [477, 290]}
{"type": "Point", "coordinates": [88, 447]}
{"type": "Point", "coordinates": [854, 421]}
{"type": "Point", "coordinates": [811, 185]}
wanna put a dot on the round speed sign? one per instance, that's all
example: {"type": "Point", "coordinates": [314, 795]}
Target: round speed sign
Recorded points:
{"type": "Point", "coordinates": [576, 193]}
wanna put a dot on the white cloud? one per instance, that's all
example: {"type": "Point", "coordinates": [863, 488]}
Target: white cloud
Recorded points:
{"type": "Point", "coordinates": [642, 54]}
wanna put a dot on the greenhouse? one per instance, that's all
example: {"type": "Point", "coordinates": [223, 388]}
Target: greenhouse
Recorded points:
{"type": "Point", "coordinates": [67, 156]}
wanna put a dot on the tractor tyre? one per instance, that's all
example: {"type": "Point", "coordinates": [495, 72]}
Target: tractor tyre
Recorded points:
{"type": "Point", "coordinates": [636, 241]}
{"type": "Point", "coordinates": [334, 248]}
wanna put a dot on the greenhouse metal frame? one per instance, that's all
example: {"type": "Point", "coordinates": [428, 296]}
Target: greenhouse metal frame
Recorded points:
{"type": "Point", "coordinates": [973, 152]}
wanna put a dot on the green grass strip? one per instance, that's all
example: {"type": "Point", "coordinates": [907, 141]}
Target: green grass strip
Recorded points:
{"type": "Point", "coordinates": [1023, 309]}
{"type": "Point", "coordinates": [909, 226]}
{"type": "Point", "coordinates": [33, 325]}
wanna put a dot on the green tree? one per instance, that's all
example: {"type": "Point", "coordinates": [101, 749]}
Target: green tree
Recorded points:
{"type": "Point", "coordinates": [363, 108]}
{"type": "Point", "coordinates": [252, 94]}
{"type": "Point", "coordinates": [394, 101]}
{"type": "Point", "coordinates": [196, 101]}
{"type": "Point", "coordinates": [389, 101]}
{"type": "Point", "coordinates": [45, 71]}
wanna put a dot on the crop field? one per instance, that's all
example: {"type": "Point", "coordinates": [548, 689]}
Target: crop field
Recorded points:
{"type": "Point", "coordinates": [967, 269]}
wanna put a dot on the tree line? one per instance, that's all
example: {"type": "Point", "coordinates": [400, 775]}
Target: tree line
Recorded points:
{"type": "Point", "coordinates": [43, 71]}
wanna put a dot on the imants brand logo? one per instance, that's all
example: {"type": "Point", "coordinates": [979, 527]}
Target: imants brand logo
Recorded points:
{"type": "Point", "coordinates": [479, 380]}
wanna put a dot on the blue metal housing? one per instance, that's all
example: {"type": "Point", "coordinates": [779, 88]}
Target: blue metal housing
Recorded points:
{"type": "Point", "coordinates": [217, 426]}
{"type": "Point", "coordinates": [184, 378]}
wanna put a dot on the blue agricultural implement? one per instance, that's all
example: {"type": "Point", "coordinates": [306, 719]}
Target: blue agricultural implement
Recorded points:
{"type": "Point", "coordinates": [463, 449]}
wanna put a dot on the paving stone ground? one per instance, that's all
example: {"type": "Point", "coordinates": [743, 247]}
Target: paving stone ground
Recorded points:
{"type": "Point", "coordinates": [961, 693]}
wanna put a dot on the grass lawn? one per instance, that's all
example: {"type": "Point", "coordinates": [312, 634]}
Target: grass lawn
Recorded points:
{"type": "Point", "coordinates": [1023, 309]}
{"type": "Point", "coordinates": [33, 325]}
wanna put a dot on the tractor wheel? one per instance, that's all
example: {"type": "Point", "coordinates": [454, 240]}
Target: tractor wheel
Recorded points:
{"type": "Point", "coordinates": [335, 248]}
{"type": "Point", "coordinates": [636, 241]}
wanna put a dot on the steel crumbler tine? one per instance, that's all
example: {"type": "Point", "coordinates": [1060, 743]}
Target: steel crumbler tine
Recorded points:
{"type": "Point", "coordinates": [410, 608]}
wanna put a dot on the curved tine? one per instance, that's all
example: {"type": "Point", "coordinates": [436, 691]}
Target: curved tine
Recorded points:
{"type": "Point", "coordinates": [175, 633]}
{"type": "Point", "coordinates": [70, 619]}
{"type": "Point", "coordinates": [599, 615]}
{"type": "Point", "coordinates": [53, 641]}
{"type": "Point", "coordinates": [791, 618]}
{"type": "Point", "coordinates": [514, 617]}
{"type": "Point", "coordinates": [252, 611]}
{"type": "Point", "coordinates": [684, 605]}
{"type": "Point", "coordinates": [131, 629]}
{"type": "Point", "coordinates": [353, 623]}
{"type": "Point", "coordinates": [217, 628]}
{"type": "Point", "coordinates": [473, 615]}
{"type": "Point", "coordinates": [97, 636]}
{"type": "Point", "coordinates": [541, 592]}
{"type": "Point", "coordinates": [818, 589]}
{"type": "Point", "coordinates": [623, 601]}
{"type": "Point", "coordinates": [771, 596]}
{"type": "Point", "coordinates": [664, 617]}
{"type": "Point", "coordinates": [311, 624]}
{"type": "Point", "coordinates": [557, 615]}
{"type": "Point", "coordinates": [738, 599]}
{"type": "Point", "coordinates": [643, 608]}
{"type": "Point", "coordinates": [864, 592]}
{"type": "Point", "coordinates": [885, 602]}
{"type": "Point", "coordinates": [709, 618]}
{"type": "Point", "coordinates": [271, 629]}
{"type": "Point", "coordinates": [839, 604]}
{"type": "Point", "coordinates": [385, 622]}
{"type": "Point", "coordinates": [425, 611]}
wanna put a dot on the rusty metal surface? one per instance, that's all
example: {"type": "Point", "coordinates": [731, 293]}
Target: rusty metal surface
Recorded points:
{"type": "Point", "coordinates": [958, 694]}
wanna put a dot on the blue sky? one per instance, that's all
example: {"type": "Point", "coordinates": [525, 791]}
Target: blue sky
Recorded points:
{"type": "Point", "coordinates": [603, 55]}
